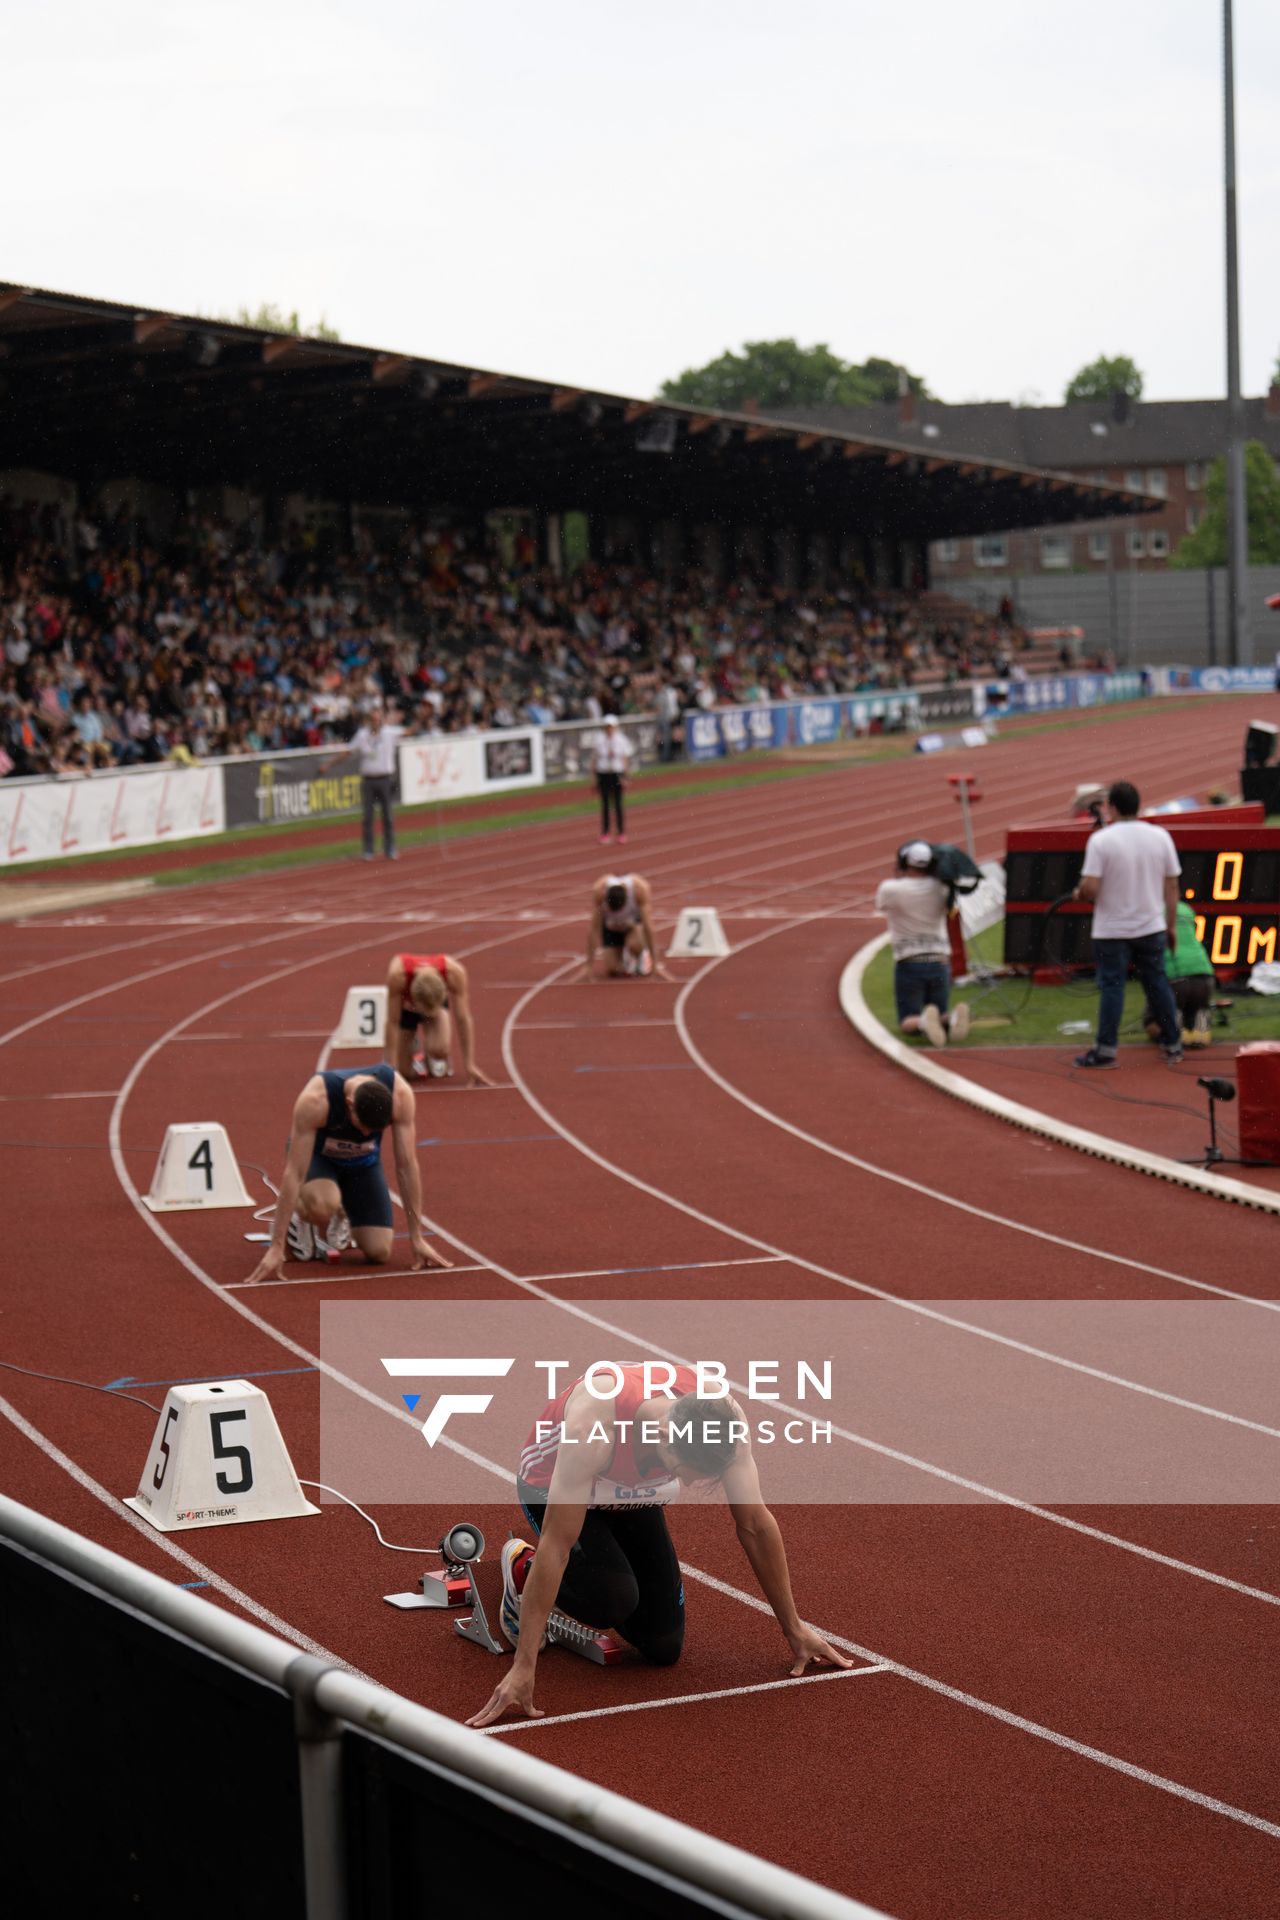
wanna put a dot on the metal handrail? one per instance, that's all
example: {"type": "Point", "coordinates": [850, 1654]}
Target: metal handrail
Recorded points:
{"type": "Point", "coordinates": [325, 1693]}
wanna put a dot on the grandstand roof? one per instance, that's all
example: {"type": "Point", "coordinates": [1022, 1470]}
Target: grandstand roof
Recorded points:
{"type": "Point", "coordinates": [95, 390]}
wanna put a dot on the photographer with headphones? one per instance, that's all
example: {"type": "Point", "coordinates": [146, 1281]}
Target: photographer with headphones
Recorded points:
{"type": "Point", "coordinates": [916, 903]}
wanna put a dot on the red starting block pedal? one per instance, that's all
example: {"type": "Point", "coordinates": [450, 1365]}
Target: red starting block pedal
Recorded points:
{"type": "Point", "coordinates": [599, 1644]}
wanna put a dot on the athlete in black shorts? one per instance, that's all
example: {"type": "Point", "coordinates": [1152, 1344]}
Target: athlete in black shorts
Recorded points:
{"type": "Point", "coordinates": [334, 1170]}
{"type": "Point", "coordinates": [594, 1478]}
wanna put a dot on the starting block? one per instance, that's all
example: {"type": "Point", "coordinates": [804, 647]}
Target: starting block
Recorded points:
{"type": "Point", "coordinates": [598, 1644]}
{"type": "Point", "coordinates": [196, 1168]}
{"type": "Point", "coordinates": [364, 1019]}
{"type": "Point", "coordinates": [698, 935]}
{"type": "Point", "coordinates": [453, 1585]}
{"type": "Point", "coordinates": [217, 1458]}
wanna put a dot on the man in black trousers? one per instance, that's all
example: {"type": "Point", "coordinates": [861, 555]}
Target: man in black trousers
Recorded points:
{"type": "Point", "coordinates": [612, 759]}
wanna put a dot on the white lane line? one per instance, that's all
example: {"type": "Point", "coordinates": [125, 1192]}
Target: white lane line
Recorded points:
{"type": "Point", "coordinates": [679, 1266]}
{"type": "Point", "coordinates": [683, 1699]}
{"type": "Point", "coordinates": [976, 1487]}
{"type": "Point", "coordinates": [166, 1545]}
{"type": "Point", "coordinates": [507, 1477]}
{"type": "Point", "coordinates": [108, 1093]}
{"type": "Point", "coordinates": [1011, 1719]}
{"type": "Point", "coordinates": [903, 1180]}
{"type": "Point", "coordinates": [332, 1279]}
{"type": "Point", "coordinates": [585, 1026]}
{"type": "Point", "coordinates": [1017, 1721]}
{"type": "Point", "coordinates": [864, 1287]}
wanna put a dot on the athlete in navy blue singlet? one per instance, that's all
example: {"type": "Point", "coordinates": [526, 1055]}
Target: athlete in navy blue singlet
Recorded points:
{"type": "Point", "coordinates": [334, 1170]}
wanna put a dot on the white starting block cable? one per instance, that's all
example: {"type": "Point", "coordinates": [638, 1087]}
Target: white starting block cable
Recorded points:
{"type": "Point", "coordinates": [388, 1544]}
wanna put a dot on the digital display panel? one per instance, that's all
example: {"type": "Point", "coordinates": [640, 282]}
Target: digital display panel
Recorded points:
{"type": "Point", "coordinates": [1232, 881]}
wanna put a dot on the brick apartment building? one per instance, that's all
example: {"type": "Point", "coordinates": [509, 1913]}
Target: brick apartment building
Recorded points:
{"type": "Point", "coordinates": [1160, 447]}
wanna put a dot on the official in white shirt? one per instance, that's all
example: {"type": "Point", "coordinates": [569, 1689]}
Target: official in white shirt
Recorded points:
{"type": "Point", "coordinates": [374, 744]}
{"type": "Point", "coordinates": [1130, 874]}
{"type": "Point", "coordinates": [611, 760]}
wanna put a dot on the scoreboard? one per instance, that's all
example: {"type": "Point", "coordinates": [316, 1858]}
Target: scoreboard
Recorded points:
{"type": "Point", "coordinates": [1230, 873]}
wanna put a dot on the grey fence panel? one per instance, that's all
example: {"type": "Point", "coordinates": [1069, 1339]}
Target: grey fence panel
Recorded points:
{"type": "Point", "coordinates": [1144, 618]}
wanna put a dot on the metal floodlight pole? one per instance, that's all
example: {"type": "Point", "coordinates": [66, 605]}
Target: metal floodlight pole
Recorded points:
{"type": "Point", "coordinates": [1239, 648]}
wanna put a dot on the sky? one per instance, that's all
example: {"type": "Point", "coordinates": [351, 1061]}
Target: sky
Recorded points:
{"type": "Point", "coordinates": [600, 194]}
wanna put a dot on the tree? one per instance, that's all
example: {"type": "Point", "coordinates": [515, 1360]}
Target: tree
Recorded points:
{"type": "Point", "coordinates": [1207, 546]}
{"type": "Point", "coordinates": [777, 374]}
{"type": "Point", "coordinates": [1103, 377]}
{"type": "Point", "coordinates": [269, 318]}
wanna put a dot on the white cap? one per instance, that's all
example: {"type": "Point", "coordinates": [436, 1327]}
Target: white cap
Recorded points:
{"type": "Point", "coordinates": [611, 719]}
{"type": "Point", "coordinates": [916, 853]}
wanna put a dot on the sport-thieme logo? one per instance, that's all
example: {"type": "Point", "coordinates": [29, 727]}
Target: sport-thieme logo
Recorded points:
{"type": "Point", "coordinates": [448, 1403]}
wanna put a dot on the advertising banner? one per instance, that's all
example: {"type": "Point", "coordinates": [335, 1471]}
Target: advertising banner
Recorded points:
{"type": "Point", "coordinates": [272, 788]}
{"type": "Point", "coordinates": [722, 731]}
{"type": "Point", "coordinates": [935, 704]}
{"type": "Point", "coordinates": [566, 750]}
{"type": "Point", "coordinates": [1216, 679]}
{"type": "Point", "coordinates": [1055, 692]}
{"type": "Point", "coordinates": [460, 766]}
{"type": "Point", "coordinates": [57, 819]}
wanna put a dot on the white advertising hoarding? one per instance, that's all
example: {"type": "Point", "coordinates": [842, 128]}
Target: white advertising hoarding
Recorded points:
{"type": "Point", "coordinates": [57, 819]}
{"type": "Point", "coordinates": [459, 766]}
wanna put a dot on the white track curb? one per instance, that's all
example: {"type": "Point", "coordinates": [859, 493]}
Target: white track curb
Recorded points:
{"type": "Point", "coordinates": [925, 1067]}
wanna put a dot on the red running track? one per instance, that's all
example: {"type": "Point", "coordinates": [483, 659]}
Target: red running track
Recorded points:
{"type": "Point", "coordinates": [1061, 1710]}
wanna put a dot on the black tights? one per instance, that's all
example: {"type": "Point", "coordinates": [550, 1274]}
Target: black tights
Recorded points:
{"type": "Point", "coordinates": [623, 1573]}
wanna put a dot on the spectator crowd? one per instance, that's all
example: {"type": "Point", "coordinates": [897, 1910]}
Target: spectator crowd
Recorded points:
{"type": "Point", "coordinates": [117, 648]}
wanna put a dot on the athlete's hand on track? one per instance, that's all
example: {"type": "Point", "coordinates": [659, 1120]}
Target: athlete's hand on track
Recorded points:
{"type": "Point", "coordinates": [660, 972]}
{"type": "Point", "coordinates": [268, 1267]}
{"type": "Point", "coordinates": [477, 1079]}
{"type": "Point", "coordinates": [809, 1645]}
{"type": "Point", "coordinates": [513, 1694]}
{"type": "Point", "coordinates": [425, 1255]}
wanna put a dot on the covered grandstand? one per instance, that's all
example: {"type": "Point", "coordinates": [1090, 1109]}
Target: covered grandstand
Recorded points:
{"type": "Point", "coordinates": [96, 392]}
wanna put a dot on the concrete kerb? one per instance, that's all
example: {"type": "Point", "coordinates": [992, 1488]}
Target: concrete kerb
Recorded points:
{"type": "Point", "coordinates": [925, 1067]}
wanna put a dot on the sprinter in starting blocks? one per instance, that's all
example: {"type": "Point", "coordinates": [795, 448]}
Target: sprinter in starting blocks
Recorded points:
{"type": "Point", "coordinates": [601, 1575]}
{"type": "Point", "coordinates": [620, 931]}
{"type": "Point", "coordinates": [334, 1189]}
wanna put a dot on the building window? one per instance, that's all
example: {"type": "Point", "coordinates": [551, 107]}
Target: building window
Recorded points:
{"type": "Point", "coordinates": [1194, 516]}
{"type": "Point", "coordinates": [946, 551]}
{"type": "Point", "coordinates": [1158, 482]}
{"type": "Point", "coordinates": [1055, 550]}
{"type": "Point", "coordinates": [1134, 479]}
{"type": "Point", "coordinates": [1099, 546]}
{"type": "Point", "coordinates": [1134, 543]}
{"type": "Point", "coordinates": [1194, 478]}
{"type": "Point", "coordinates": [1099, 476]}
{"type": "Point", "coordinates": [991, 551]}
{"type": "Point", "coordinates": [1158, 544]}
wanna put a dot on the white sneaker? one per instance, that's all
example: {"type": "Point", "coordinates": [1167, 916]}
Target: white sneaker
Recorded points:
{"type": "Point", "coordinates": [932, 1028]}
{"type": "Point", "coordinates": [338, 1234]}
{"type": "Point", "coordinates": [509, 1611]}
{"type": "Point", "coordinates": [958, 1021]}
{"type": "Point", "coordinates": [438, 1069]}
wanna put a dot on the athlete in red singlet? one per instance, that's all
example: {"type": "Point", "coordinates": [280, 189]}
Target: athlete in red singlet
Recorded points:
{"type": "Point", "coordinates": [422, 988]}
{"type": "Point", "coordinates": [595, 1475]}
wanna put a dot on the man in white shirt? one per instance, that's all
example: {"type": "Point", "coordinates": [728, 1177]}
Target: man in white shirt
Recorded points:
{"type": "Point", "coordinates": [375, 744]}
{"type": "Point", "coordinates": [1130, 874]}
{"type": "Point", "coordinates": [915, 905]}
{"type": "Point", "coordinates": [611, 759]}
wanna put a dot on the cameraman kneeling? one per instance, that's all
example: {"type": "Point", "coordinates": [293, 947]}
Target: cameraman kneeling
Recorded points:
{"type": "Point", "coordinates": [916, 904]}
